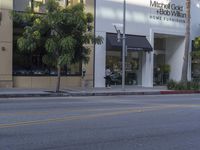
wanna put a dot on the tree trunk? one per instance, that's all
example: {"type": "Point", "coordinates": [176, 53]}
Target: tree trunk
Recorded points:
{"type": "Point", "coordinates": [58, 79]}
{"type": "Point", "coordinates": [187, 43]}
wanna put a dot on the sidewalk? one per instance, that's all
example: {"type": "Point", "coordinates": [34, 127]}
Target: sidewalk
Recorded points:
{"type": "Point", "coordinates": [115, 90]}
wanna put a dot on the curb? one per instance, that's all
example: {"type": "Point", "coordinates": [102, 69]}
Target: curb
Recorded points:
{"type": "Point", "coordinates": [114, 93]}
{"type": "Point", "coordinates": [180, 92]}
{"type": "Point", "coordinates": [96, 94]}
{"type": "Point", "coordinates": [30, 95]}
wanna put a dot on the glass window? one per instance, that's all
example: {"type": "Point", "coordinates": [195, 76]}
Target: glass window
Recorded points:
{"type": "Point", "coordinates": [37, 5]}
{"type": "Point", "coordinates": [31, 64]}
{"type": "Point", "coordinates": [20, 5]}
{"type": "Point", "coordinates": [133, 66]}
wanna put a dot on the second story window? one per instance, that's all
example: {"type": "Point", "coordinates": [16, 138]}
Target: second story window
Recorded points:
{"type": "Point", "coordinates": [37, 5]}
{"type": "Point", "coordinates": [73, 2]}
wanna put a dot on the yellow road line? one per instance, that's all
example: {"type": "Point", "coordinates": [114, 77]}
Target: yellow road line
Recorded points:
{"type": "Point", "coordinates": [68, 118]}
{"type": "Point", "coordinates": [91, 116]}
{"type": "Point", "coordinates": [59, 111]}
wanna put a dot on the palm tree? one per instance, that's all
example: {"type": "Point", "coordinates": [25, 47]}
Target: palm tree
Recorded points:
{"type": "Point", "coordinates": [187, 43]}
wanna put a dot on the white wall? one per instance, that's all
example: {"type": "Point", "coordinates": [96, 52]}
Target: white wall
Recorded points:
{"type": "Point", "coordinates": [138, 13]}
{"type": "Point", "coordinates": [100, 62]}
{"type": "Point", "coordinates": [147, 70]}
{"type": "Point", "coordinates": [174, 55]}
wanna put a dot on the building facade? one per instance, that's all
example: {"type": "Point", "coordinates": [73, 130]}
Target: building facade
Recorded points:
{"type": "Point", "coordinates": [155, 31]}
{"type": "Point", "coordinates": [6, 28]}
{"type": "Point", "coordinates": [28, 71]}
{"type": "Point", "coordinates": [162, 22]}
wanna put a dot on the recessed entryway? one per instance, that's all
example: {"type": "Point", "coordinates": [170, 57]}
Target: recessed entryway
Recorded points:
{"type": "Point", "coordinates": [168, 57]}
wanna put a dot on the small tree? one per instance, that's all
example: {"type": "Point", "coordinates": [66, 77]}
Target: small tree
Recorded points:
{"type": "Point", "coordinates": [196, 53]}
{"type": "Point", "coordinates": [63, 31]}
{"type": "Point", "coordinates": [196, 58]}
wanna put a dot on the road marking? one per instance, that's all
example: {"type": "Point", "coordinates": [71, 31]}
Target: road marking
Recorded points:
{"type": "Point", "coordinates": [70, 118]}
{"type": "Point", "coordinates": [65, 110]}
{"type": "Point", "coordinates": [91, 116]}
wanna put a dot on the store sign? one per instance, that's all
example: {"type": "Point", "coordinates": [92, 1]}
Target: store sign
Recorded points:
{"type": "Point", "coordinates": [167, 11]}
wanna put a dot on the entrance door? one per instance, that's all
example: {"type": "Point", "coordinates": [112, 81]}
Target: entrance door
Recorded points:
{"type": "Point", "coordinates": [160, 77]}
{"type": "Point", "coordinates": [159, 61]}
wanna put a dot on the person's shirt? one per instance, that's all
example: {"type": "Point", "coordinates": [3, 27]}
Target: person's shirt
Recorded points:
{"type": "Point", "coordinates": [108, 72]}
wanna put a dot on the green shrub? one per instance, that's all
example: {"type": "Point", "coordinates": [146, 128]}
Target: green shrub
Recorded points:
{"type": "Point", "coordinates": [181, 86]}
{"type": "Point", "coordinates": [193, 85]}
{"type": "Point", "coordinates": [171, 84]}
{"type": "Point", "coordinates": [190, 85]}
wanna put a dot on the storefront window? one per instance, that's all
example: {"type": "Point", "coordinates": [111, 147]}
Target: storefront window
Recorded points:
{"type": "Point", "coordinates": [25, 63]}
{"type": "Point", "coordinates": [133, 66]}
{"type": "Point", "coordinates": [31, 64]}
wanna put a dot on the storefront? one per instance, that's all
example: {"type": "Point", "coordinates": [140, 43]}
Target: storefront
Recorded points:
{"type": "Point", "coordinates": [161, 23]}
{"type": "Point", "coordinates": [136, 47]}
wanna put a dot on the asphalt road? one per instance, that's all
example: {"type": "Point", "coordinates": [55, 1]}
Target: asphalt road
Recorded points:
{"type": "Point", "coordinates": [101, 123]}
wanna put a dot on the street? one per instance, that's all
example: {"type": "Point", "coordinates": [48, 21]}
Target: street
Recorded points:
{"type": "Point", "coordinates": [170, 122]}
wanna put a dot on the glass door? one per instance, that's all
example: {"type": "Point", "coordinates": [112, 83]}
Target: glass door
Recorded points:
{"type": "Point", "coordinates": [133, 68]}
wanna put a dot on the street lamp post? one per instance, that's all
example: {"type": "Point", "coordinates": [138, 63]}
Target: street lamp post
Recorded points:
{"type": "Point", "coordinates": [124, 45]}
{"type": "Point", "coordinates": [123, 39]}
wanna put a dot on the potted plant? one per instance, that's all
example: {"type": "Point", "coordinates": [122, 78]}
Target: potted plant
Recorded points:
{"type": "Point", "coordinates": [165, 69]}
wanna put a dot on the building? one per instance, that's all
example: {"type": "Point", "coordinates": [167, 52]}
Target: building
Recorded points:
{"type": "Point", "coordinates": [23, 70]}
{"type": "Point", "coordinates": [161, 22]}
{"type": "Point", "coordinates": [155, 37]}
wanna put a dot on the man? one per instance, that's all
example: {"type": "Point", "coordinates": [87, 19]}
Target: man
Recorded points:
{"type": "Point", "coordinates": [107, 77]}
